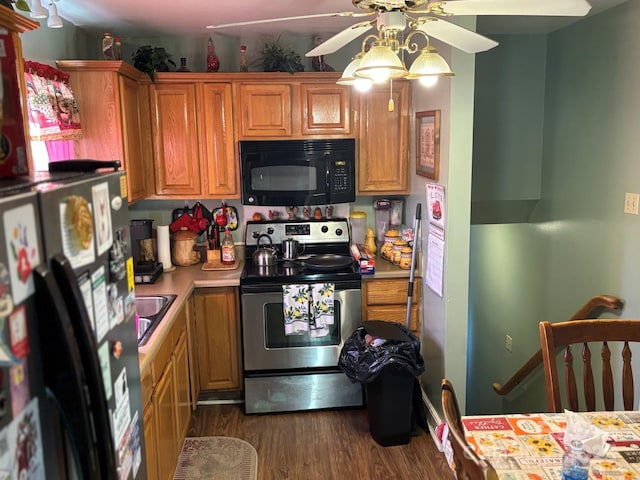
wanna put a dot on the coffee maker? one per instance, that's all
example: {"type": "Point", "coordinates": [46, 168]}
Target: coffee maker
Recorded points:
{"type": "Point", "coordinates": [389, 215]}
{"type": "Point", "coordinates": [146, 269]}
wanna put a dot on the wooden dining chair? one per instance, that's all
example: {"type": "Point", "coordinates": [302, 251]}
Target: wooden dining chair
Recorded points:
{"type": "Point", "coordinates": [468, 464]}
{"type": "Point", "coordinates": [563, 335]}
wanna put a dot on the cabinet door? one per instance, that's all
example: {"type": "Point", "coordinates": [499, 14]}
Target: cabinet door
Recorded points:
{"type": "Point", "coordinates": [265, 110]}
{"type": "Point", "coordinates": [150, 442]}
{"type": "Point", "coordinates": [182, 389]}
{"type": "Point", "coordinates": [326, 109]}
{"type": "Point", "coordinates": [131, 138]}
{"type": "Point", "coordinates": [164, 413]}
{"type": "Point", "coordinates": [192, 349]}
{"type": "Point", "coordinates": [383, 163]}
{"type": "Point", "coordinates": [219, 160]}
{"type": "Point", "coordinates": [218, 324]}
{"type": "Point", "coordinates": [386, 299]}
{"type": "Point", "coordinates": [175, 135]}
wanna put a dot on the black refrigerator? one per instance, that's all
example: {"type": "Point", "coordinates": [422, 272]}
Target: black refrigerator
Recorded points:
{"type": "Point", "coordinates": [70, 400]}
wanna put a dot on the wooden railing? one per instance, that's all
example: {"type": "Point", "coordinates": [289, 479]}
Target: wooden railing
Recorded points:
{"type": "Point", "coordinates": [592, 309]}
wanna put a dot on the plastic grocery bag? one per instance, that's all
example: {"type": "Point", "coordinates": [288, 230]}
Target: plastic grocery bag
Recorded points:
{"type": "Point", "coordinates": [362, 361]}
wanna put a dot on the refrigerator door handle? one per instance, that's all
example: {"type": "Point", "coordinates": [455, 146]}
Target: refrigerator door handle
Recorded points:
{"type": "Point", "coordinates": [63, 373]}
{"type": "Point", "coordinates": [81, 324]}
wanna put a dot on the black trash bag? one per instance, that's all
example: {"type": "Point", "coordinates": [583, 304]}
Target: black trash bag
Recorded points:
{"type": "Point", "coordinates": [362, 362]}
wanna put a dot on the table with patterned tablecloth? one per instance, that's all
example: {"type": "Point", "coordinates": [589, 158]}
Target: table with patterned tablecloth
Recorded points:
{"type": "Point", "coordinates": [530, 446]}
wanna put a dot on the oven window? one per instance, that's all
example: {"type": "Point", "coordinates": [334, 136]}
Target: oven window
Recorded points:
{"type": "Point", "coordinates": [282, 178]}
{"type": "Point", "coordinates": [274, 330]}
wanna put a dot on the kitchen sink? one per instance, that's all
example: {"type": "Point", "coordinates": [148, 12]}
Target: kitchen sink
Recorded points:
{"type": "Point", "coordinates": [151, 310]}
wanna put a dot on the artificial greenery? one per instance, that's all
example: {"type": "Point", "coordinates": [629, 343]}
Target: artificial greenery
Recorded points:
{"type": "Point", "coordinates": [277, 58]}
{"type": "Point", "coordinates": [150, 59]}
{"type": "Point", "coordinates": [18, 4]}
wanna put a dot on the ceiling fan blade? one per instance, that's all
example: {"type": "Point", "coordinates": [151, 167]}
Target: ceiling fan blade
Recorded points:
{"type": "Point", "coordinates": [340, 39]}
{"type": "Point", "coordinates": [284, 19]}
{"type": "Point", "coordinates": [456, 36]}
{"type": "Point", "coordinates": [555, 8]}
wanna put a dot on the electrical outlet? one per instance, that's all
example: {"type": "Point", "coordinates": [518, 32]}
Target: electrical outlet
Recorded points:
{"type": "Point", "coordinates": [508, 343]}
{"type": "Point", "coordinates": [631, 201]}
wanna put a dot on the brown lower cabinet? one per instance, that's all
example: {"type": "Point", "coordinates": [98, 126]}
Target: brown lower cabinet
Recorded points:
{"type": "Point", "coordinates": [167, 414]}
{"type": "Point", "coordinates": [386, 299]}
{"type": "Point", "coordinates": [217, 322]}
{"type": "Point", "coordinates": [201, 351]}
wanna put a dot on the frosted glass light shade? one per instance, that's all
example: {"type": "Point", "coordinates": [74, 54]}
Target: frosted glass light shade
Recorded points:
{"type": "Point", "coordinates": [37, 10]}
{"type": "Point", "coordinates": [381, 64]}
{"type": "Point", "coordinates": [428, 67]}
{"type": "Point", "coordinates": [348, 78]}
{"type": "Point", "coordinates": [54, 20]}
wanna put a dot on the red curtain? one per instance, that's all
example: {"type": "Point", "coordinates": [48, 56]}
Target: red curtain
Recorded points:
{"type": "Point", "coordinates": [53, 111]}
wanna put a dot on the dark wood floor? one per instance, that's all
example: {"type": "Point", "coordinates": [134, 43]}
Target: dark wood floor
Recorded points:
{"type": "Point", "coordinates": [321, 445]}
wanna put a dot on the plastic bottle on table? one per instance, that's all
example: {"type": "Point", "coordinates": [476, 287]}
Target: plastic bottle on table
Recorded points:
{"type": "Point", "coordinates": [228, 249]}
{"type": "Point", "coordinates": [575, 462]}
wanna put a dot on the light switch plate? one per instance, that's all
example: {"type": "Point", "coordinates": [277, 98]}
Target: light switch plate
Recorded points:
{"type": "Point", "coordinates": [631, 201]}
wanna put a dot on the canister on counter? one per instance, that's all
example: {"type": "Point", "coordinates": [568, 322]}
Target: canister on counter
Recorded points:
{"type": "Point", "coordinates": [389, 238]}
{"type": "Point", "coordinates": [396, 250]}
{"type": "Point", "coordinates": [358, 221]}
{"type": "Point", "coordinates": [405, 258]}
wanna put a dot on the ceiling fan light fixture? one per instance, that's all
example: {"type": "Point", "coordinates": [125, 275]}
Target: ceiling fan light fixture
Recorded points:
{"type": "Point", "coordinates": [54, 20]}
{"type": "Point", "coordinates": [380, 64]}
{"type": "Point", "coordinates": [37, 10]}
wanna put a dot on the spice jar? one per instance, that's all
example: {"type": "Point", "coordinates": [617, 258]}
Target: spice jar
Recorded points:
{"type": "Point", "coordinates": [389, 237]}
{"type": "Point", "coordinates": [396, 250]}
{"type": "Point", "coordinates": [405, 258]}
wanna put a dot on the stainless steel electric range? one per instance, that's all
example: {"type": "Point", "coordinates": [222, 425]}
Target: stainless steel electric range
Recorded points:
{"type": "Point", "coordinates": [285, 371]}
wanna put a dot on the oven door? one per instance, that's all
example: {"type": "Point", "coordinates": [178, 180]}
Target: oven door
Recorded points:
{"type": "Point", "coordinates": [266, 347]}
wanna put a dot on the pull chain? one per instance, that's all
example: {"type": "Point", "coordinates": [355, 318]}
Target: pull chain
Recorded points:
{"type": "Point", "coordinates": [392, 106]}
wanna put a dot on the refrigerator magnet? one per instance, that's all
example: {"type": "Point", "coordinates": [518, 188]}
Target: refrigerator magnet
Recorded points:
{"type": "Point", "coordinates": [102, 206]}
{"type": "Point", "coordinates": [18, 332]}
{"type": "Point", "coordinates": [22, 248]}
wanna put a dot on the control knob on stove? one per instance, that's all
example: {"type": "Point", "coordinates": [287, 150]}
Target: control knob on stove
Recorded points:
{"type": "Point", "coordinates": [339, 232]}
{"type": "Point", "coordinates": [324, 229]}
{"type": "Point", "coordinates": [270, 230]}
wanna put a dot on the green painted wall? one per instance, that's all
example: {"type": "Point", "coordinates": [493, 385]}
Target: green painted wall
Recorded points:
{"type": "Point", "coordinates": [46, 45]}
{"type": "Point", "coordinates": [578, 243]}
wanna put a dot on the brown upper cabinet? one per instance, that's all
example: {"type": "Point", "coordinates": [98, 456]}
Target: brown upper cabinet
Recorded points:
{"type": "Point", "coordinates": [281, 105]}
{"type": "Point", "coordinates": [383, 136]}
{"type": "Point", "coordinates": [194, 149]}
{"type": "Point", "coordinates": [113, 109]}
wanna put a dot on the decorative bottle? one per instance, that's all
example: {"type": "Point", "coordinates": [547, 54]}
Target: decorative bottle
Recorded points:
{"type": "Point", "coordinates": [183, 65]}
{"type": "Point", "coordinates": [213, 63]}
{"type": "Point", "coordinates": [228, 249]}
{"type": "Point", "coordinates": [107, 46]}
{"type": "Point", "coordinates": [575, 462]}
{"type": "Point", "coordinates": [117, 49]}
{"type": "Point", "coordinates": [243, 59]}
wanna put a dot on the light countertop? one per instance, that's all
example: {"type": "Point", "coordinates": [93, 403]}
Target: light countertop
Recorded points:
{"type": "Point", "coordinates": [180, 282]}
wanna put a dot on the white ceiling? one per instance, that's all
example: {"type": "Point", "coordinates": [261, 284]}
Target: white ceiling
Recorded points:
{"type": "Point", "coordinates": [138, 18]}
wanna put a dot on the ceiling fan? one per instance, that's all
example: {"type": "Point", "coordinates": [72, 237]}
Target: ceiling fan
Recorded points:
{"type": "Point", "coordinates": [429, 16]}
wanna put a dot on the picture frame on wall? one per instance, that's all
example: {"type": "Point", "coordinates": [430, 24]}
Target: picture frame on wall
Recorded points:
{"type": "Point", "coordinates": [428, 144]}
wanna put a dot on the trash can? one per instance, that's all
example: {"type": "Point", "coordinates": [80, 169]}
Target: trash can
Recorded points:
{"type": "Point", "coordinates": [385, 357]}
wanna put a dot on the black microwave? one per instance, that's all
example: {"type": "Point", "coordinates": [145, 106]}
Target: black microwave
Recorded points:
{"type": "Point", "coordinates": [297, 172]}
